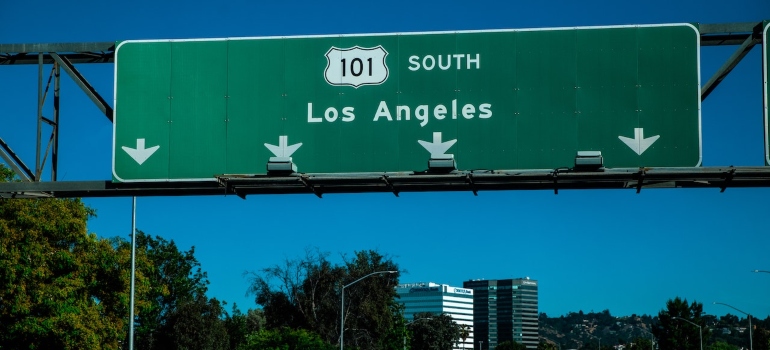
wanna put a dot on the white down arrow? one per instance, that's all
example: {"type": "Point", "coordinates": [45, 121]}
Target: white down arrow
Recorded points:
{"type": "Point", "coordinates": [140, 154]}
{"type": "Point", "coordinates": [639, 144]}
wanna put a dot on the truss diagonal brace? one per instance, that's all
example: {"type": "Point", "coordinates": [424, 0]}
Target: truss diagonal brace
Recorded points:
{"type": "Point", "coordinates": [728, 66]}
{"type": "Point", "coordinates": [15, 162]}
{"type": "Point", "coordinates": [81, 81]}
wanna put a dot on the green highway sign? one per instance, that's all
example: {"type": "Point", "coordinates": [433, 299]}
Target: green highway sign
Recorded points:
{"type": "Point", "coordinates": [485, 100]}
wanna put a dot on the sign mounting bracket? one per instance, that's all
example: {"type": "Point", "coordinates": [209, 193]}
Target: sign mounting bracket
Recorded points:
{"type": "Point", "coordinates": [728, 178]}
{"type": "Point", "coordinates": [640, 182]}
{"type": "Point", "coordinates": [307, 184]}
{"type": "Point", "coordinates": [469, 178]}
{"type": "Point", "coordinates": [390, 185]}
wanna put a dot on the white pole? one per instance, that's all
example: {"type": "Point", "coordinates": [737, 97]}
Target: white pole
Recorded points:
{"type": "Point", "coordinates": [751, 341]}
{"type": "Point", "coordinates": [342, 304]}
{"type": "Point", "coordinates": [133, 275]}
{"type": "Point", "coordinates": [342, 319]}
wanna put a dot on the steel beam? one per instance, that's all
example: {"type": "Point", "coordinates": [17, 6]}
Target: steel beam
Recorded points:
{"type": "Point", "coordinates": [728, 66]}
{"type": "Point", "coordinates": [84, 85]}
{"type": "Point", "coordinates": [727, 33]}
{"type": "Point", "coordinates": [75, 52]}
{"type": "Point", "coordinates": [727, 28]}
{"type": "Point", "coordinates": [23, 58]}
{"type": "Point", "coordinates": [15, 162]}
{"type": "Point", "coordinates": [104, 52]}
{"type": "Point", "coordinates": [40, 102]}
{"type": "Point", "coordinates": [55, 124]}
{"type": "Point", "coordinates": [58, 47]}
{"type": "Point", "coordinates": [723, 40]}
{"type": "Point", "coordinates": [630, 179]}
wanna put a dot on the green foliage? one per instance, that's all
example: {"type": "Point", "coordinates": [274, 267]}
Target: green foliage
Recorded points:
{"type": "Point", "coordinates": [760, 338]}
{"type": "Point", "coordinates": [60, 287]}
{"type": "Point", "coordinates": [397, 336]}
{"type": "Point", "coordinates": [543, 345]}
{"type": "Point", "coordinates": [305, 294]}
{"type": "Point", "coordinates": [672, 333]}
{"type": "Point", "coordinates": [430, 331]}
{"type": "Point", "coordinates": [720, 345]}
{"type": "Point", "coordinates": [285, 339]}
{"type": "Point", "coordinates": [239, 325]}
{"type": "Point", "coordinates": [368, 302]}
{"type": "Point", "coordinates": [197, 324]}
{"type": "Point", "coordinates": [510, 345]}
{"type": "Point", "coordinates": [6, 174]}
{"type": "Point", "coordinates": [176, 313]}
{"type": "Point", "coordinates": [640, 344]}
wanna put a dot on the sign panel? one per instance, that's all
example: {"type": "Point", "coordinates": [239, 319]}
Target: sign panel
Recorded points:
{"type": "Point", "coordinates": [492, 100]}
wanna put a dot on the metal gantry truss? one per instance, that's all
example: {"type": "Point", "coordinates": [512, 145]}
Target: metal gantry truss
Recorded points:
{"type": "Point", "coordinates": [60, 56]}
{"type": "Point", "coordinates": [64, 56]}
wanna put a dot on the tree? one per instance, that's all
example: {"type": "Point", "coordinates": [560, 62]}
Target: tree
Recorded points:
{"type": "Point", "coordinates": [510, 345]}
{"type": "Point", "coordinates": [177, 314]}
{"type": "Point", "coordinates": [300, 293]}
{"type": "Point", "coordinates": [305, 294]}
{"type": "Point", "coordinates": [398, 335]}
{"type": "Point", "coordinates": [434, 332]}
{"type": "Point", "coordinates": [240, 325]}
{"type": "Point", "coordinates": [677, 334]}
{"type": "Point", "coordinates": [720, 345]}
{"type": "Point", "coordinates": [369, 301]}
{"type": "Point", "coordinates": [641, 344]}
{"type": "Point", "coordinates": [760, 338]}
{"type": "Point", "coordinates": [546, 345]}
{"type": "Point", "coordinates": [197, 324]}
{"type": "Point", "coordinates": [465, 332]}
{"type": "Point", "coordinates": [285, 339]}
{"type": "Point", "coordinates": [60, 287]}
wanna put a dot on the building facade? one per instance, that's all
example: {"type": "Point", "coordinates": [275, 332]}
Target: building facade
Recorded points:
{"type": "Point", "coordinates": [437, 299]}
{"type": "Point", "coordinates": [504, 310]}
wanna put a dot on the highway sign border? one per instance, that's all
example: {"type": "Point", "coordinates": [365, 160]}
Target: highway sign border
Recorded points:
{"type": "Point", "coordinates": [765, 91]}
{"type": "Point", "coordinates": [121, 43]}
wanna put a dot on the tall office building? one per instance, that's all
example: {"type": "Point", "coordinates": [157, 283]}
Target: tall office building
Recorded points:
{"type": "Point", "coordinates": [504, 310]}
{"type": "Point", "coordinates": [438, 299]}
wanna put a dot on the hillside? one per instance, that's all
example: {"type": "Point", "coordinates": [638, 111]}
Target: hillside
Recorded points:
{"type": "Point", "coordinates": [578, 330]}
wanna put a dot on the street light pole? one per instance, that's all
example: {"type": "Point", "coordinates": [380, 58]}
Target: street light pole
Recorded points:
{"type": "Point", "coordinates": [131, 319]}
{"type": "Point", "coordinates": [342, 304]}
{"type": "Point", "coordinates": [700, 329]}
{"type": "Point", "coordinates": [765, 271]}
{"type": "Point", "coordinates": [751, 340]}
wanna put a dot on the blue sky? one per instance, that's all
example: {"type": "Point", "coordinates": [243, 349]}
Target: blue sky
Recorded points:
{"type": "Point", "coordinates": [590, 250]}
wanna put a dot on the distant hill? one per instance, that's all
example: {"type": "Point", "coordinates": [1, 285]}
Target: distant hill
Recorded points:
{"type": "Point", "coordinates": [578, 330]}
